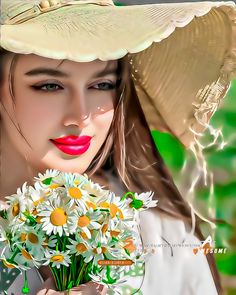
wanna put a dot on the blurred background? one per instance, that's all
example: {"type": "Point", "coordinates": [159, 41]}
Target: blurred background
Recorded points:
{"type": "Point", "coordinates": [217, 201]}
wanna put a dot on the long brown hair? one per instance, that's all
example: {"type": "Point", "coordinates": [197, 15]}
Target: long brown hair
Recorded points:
{"type": "Point", "coordinates": [130, 151]}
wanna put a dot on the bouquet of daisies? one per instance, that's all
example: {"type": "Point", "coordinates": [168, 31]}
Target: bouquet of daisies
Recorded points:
{"type": "Point", "coordinates": [74, 226]}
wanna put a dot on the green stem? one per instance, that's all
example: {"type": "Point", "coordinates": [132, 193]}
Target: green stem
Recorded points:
{"type": "Point", "coordinates": [110, 280]}
{"type": "Point", "coordinates": [25, 289]}
{"type": "Point", "coordinates": [127, 194]}
{"type": "Point", "coordinates": [11, 260]}
{"type": "Point", "coordinates": [80, 274]}
{"type": "Point", "coordinates": [56, 278]}
{"type": "Point", "coordinates": [64, 244]}
{"type": "Point", "coordinates": [65, 277]}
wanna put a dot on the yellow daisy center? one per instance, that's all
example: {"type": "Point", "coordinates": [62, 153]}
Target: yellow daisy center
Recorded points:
{"type": "Point", "coordinates": [75, 192]}
{"type": "Point", "coordinates": [16, 209]}
{"type": "Point", "coordinates": [47, 193]}
{"type": "Point", "coordinates": [57, 258]}
{"type": "Point", "coordinates": [104, 205]}
{"type": "Point", "coordinates": [81, 248]}
{"type": "Point", "coordinates": [35, 212]}
{"type": "Point", "coordinates": [114, 233]}
{"type": "Point", "coordinates": [130, 245]}
{"type": "Point", "coordinates": [54, 185]}
{"type": "Point", "coordinates": [83, 221]}
{"type": "Point", "coordinates": [26, 255]}
{"type": "Point", "coordinates": [58, 217]}
{"type": "Point", "coordinates": [121, 216]}
{"type": "Point", "coordinates": [39, 201]}
{"type": "Point", "coordinates": [104, 228]}
{"type": "Point", "coordinates": [38, 219]}
{"type": "Point", "coordinates": [91, 205]}
{"type": "Point", "coordinates": [95, 251]}
{"type": "Point", "coordinates": [23, 237]}
{"type": "Point", "coordinates": [83, 235]}
{"type": "Point", "coordinates": [113, 210]}
{"type": "Point", "coordinates": [33, 238]}
{"type": "Point", "coordinates": [8, 264]}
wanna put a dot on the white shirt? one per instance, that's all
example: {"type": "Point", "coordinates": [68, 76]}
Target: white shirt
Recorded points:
{"type": "Point", "coordinates": [170, 270]}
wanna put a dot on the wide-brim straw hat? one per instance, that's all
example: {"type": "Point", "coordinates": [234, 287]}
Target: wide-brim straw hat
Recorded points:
{"type": "Point", "coordinates": [182, 55]}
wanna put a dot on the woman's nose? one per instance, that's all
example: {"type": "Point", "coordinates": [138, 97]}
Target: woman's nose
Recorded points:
{"type": "Point", "coordinates": [77, 112]}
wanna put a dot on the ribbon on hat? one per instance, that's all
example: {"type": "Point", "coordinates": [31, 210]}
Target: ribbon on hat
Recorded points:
{"type": "Point", "coordinates": [23, 12]}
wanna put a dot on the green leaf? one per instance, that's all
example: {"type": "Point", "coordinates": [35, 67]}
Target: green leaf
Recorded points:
{"type": "Point", "coordinates": [226, 263]}
{"type": "Point", "coordinates": [170, 148]}
{"type": "Point", "coordinates": [47, 181]}
{"type": "Point", "coordinates": [137, 204]}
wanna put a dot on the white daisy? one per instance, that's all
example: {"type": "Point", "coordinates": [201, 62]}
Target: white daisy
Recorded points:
{"type": "Point", "coordinates": [5, 257]}
{"type": "Point", "coordinates": [77, 196]}
{"type": "Point", "coordinates": [31, 238]}
{"type": "Point", "coordinates": [88, 221]}
{"type": "Point", "coordinates": [110, 229]}
{"type": "Point", "coordinates": [111, 281]}
{"type": "Point", "coordinates": [94, 253]}
{"type": "Point", "coordinates": [8, 264]}
{"type": "Point", "coordinates": [3, 206]}
{"type": "Point", "coordinates": [57, 258]}
{"type": "Point", "coordinates": [94, 189]}
{"type": "Point", "coordinates": [146, 199]}
{"type": "Point", "coordinates": [38, 194]}
{"type": "Point", "coordinates": [49, 242]}
{"type": "Point", "coordinates": [78, 245]}
{"type": "Point", "coordinates": [54, 181]}
{"type": "Point", "coordinates": [19, 205]}
{"type": "Point", "coordinates": [25, 259]}
{"type": "Point", "coordinates": [45, 179]}
{"type": "Point", "coordinates": [74, 179]}
{"type": "Point", "coordinates": [119, 209]}
{"type": "Point", "coordinates": [57, 217]}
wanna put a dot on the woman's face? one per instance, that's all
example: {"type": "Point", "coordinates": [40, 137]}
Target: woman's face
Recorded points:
{"type": "Point", "coordinates": [64, 109]}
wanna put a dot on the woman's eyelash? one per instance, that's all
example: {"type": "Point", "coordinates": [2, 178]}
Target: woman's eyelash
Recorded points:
{"type": "Point", "coordinates": [101, 86]}
{"type": "Point", "coordinates": [40, 87]}
{"type": "Point", "coordinates": [105, 86]}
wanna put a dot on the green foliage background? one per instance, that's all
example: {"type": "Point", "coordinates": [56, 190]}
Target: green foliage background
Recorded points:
{"type": "Point", "coordinates": [223, 165]}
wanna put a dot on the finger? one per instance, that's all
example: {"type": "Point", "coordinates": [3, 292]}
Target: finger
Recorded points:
{"type": "Point", "coordinates": [53, 292]}
{"type": "Point", "coordinates": [49, 283]}
{"type": "Point", "coordinates": [47, 286]}
{"type": "Point", "coordinates": [90, 288]}
{"type": "Point", "coordinates": [42, 292]}
{"type": "Point", "coordinates": [103, 290]}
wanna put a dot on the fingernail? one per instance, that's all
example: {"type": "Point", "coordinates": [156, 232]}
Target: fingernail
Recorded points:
{"type": "Point", "coordinates": [101, 287]}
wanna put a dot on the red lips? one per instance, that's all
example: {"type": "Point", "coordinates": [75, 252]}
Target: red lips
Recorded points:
{"type": "Point", "coordinates": [73, 140]}
{"type": "Point", "coordinates": [72, 145]}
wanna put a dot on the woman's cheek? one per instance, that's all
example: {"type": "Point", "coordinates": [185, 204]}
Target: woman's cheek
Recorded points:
{"type": "Point", "coordinates": [39, 122]}
{"type": "Point", "coordinates": [37, 109]}
{"type": "Point", "coordinates": [103, 121]}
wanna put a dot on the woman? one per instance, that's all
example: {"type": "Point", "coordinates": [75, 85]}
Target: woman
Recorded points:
{"type": "Point", "coordinates": [74, 82]}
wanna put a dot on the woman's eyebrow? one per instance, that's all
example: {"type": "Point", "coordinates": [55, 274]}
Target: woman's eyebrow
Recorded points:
{"type": "Point", "coordinates": [106, 71]}
{"type": "Point", "coordinates": [58, 73]}
{"type": "Point", "coordinates": [46, 71]}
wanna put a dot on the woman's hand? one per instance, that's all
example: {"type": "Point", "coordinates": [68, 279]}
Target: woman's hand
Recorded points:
{"type": "Point", "coordinates": [90, 288]}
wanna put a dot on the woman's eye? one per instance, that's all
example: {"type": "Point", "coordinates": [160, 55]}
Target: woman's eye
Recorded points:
{"type": "Point", "coordinates": [104, 86]}
{"type": "Point", "coordinates": [48, 87]}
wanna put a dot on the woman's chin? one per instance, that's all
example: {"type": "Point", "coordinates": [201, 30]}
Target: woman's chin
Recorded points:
{"type": "Point", "coordinates": [74, 165]}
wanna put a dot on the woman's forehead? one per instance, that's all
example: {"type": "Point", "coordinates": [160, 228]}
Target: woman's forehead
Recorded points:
{"type": "Point", "coordinates": [30, 61]}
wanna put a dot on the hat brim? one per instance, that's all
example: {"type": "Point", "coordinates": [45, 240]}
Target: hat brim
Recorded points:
{"type": "Point", "coordinates": [182, 54]}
